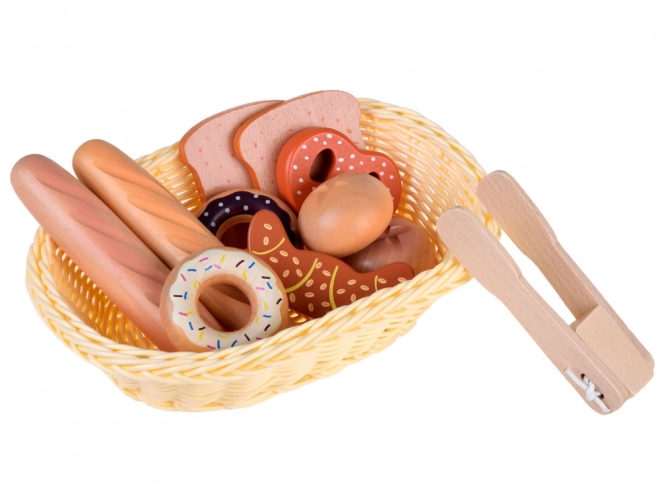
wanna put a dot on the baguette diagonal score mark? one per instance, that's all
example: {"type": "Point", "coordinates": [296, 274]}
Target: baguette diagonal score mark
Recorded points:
{"type": "Point", "coordinates": [155, 215]}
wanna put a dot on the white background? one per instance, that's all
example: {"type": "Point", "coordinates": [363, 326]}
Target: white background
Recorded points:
{"type": "Point", "coordinates": [564, 95]}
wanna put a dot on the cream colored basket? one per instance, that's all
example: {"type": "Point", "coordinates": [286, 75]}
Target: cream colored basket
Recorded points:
{"type": "Point", "coordinates": [437, 173]}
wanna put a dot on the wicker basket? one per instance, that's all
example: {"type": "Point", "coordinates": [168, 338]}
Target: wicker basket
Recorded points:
{"type": "Point", "coordinates": [437, 172]}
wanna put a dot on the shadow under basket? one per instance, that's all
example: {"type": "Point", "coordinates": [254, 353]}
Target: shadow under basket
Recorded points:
{"type": "Point", "coordinates": [437, 173]}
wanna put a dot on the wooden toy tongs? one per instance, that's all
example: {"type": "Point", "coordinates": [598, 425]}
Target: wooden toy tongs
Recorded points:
{"type": "Point", "coordinates": [597, 353]}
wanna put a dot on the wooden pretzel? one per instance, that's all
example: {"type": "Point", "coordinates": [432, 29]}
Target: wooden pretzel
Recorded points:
{"type": "Point", "coordinates": [316, 283]}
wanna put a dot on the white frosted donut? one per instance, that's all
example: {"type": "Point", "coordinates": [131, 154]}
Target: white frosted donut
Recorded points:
{"type": "Point", "coordinates": [179, 299]}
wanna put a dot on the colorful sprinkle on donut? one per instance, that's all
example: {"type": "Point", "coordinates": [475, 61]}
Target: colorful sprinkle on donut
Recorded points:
{"type": "Point", "coordinates": [233, 267]}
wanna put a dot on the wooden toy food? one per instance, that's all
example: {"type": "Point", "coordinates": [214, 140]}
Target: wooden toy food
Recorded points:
{"type": "Point", "coordinates": [316, 283]}
{"type": "Point", "coordinates": [437, 173]}
{"type": "Point", "coordinates": [96, 240]}
{"type": "Point", "coordinates": [402, 240]}
{"type": "Point", "coordinates": [208, 150]}
{"type": "Point", "coordinates": [258, 141]}
{"type": "Point", "coordinates": [228, 214]}
{"type": "Point", "coordinates": [156, 217]}
{"type": "Point", "coordinates": [345, 214]}
{"type": "Point", "coordinates": [320, 153]}
{"type": "Point", "coordinates": [178, 306]}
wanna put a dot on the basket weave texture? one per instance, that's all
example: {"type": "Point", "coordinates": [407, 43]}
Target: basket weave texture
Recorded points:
{"type": "Point", "coordinates": [437, 173]}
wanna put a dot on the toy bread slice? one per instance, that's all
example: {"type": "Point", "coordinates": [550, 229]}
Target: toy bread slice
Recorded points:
{"type": "Point", "coordinates": [102, 246]}
{"type": "Point", "coordinates": [208, 151]}
{"type": "Point", "coordinates": [259, 140]}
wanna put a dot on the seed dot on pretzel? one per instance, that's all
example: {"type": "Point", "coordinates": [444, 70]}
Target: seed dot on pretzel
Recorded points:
{"type": "Point", "coordinates": [295, 260]}
{"type": "Point", "coordinates": [273, 259]}
{"type": "Point", "coordinates": [323, 286]}
{"type": "Point", "coordinates": [299, 272]}
{"type": "Point", "coordinates": [353, 297]}
{"type": "Point", "coordinates": [268, 226]}
{"type": "Point", "coordinates": [381, 280]}
{"type": "Point", "coordinates": [364, 287]}
{"type": "Point", "coordinates": [309, 294]}
{"type": "Point", "coordinates": [326, 273]}
{"type": "Point", "coordinates": [284, 253]}
{"type": "Point", "coordinates": [310, 306]}
{"type": "Point", "coordinates": [341, 291]}
{"type": "Point", "coordinates": [351, 282]}
{"type": "Point", "coordinates": [266, 241]}
{"type": "Point", "coordinates": [319, 265]}
{"type": "Point", "coordinates": [309, 283]}
{"type": "Point", "coordinates": [292, 297]}
{"type": "Point", "coordinates": [325, 304]}
{"type": "Point", "coordinates": [285, 273]}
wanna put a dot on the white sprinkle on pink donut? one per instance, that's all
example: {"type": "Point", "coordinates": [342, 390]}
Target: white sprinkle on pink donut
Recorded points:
{"type": "Point", "coordinates": [294, 164]}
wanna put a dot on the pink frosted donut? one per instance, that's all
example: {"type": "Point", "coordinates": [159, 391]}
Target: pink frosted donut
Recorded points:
{"type": "Point", "coordinates": [317, 154]}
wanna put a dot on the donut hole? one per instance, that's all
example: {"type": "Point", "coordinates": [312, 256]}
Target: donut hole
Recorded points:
{"type": "Point", "coordinates": [234, 232]}
{"type": "Point", "coordinates": [321, 165]}
{"type": "Point", "coordinates": [374, 174]}
{"type": "Point", "coordinates": [236, 290]}
{"type": "Point", "coordinates": [232, 291]}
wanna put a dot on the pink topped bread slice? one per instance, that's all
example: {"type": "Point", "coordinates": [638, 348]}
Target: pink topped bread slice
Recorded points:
{"type": "Point", "coordinates": [207, 149]}
{"type": "Point", "coordinates": [259, 140]}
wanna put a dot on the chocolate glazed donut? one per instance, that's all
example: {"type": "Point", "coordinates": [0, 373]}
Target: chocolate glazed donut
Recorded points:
{"type": "Point", "coordinates": [237, 207]}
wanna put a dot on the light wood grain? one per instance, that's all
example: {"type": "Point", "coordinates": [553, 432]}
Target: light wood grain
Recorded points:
{"type": "Point", "coordinates": [604, 336]}
{"type": "Point", "coordinates": [519, 217]}
{"type": "Point", "coordinates": [487, 261]}
{"type": "Point", "coordinates": [598, 344]}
